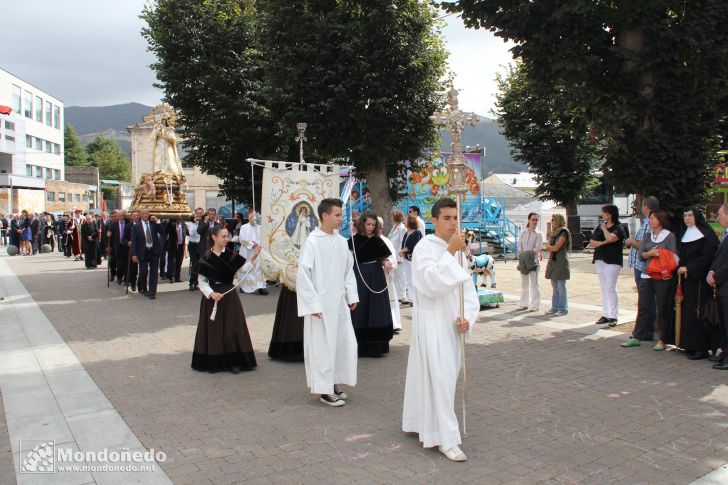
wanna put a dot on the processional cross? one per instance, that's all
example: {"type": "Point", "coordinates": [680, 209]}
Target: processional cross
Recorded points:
{"type": "Point", "coordinates": [455, 121]}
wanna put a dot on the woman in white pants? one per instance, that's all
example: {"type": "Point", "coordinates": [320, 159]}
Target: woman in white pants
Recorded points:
{"type": "Point", "coordinates": [608, 241]}
{"type": "Point", "coordinates": [530, 240]}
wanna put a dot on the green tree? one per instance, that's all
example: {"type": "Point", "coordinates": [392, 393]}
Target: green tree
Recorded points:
{"type": "Point", "coordinates": [364, 75]}
{"type": "Point", "coordinates": [209, 66]}
{"type": "Point", "coordinates": [105, 154]}
{"type": "Point", "coordinates": [73, 152]}
{"type": "Point", "coordinates": [547, 134]}
{"type": "Point", "coordinates": [650, 76]}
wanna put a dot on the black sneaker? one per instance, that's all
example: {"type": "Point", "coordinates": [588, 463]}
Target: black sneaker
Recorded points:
{"type": "Point", "coordinates": [262, 291]}
{"type": "Point", "coordinates": [341, 394]}
{"type": "Point", "coordinates": [331, 400]}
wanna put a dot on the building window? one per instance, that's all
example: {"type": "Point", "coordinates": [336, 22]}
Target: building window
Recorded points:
{"type": "Point", "coordinates": [39, 109]}
{"type": "Point", "coordinates": [28, 104]}
{"type": "Point", "coordinates": [28, 141]}
{"type": "Point", "coordinates": [56, 148]}
{"type": "Point", "coordinates": [56, 174]}
{"type": "Point", "coordinates": [85, 197]}
{"type": "Point", "coordinates": [10, 137]}
{"type": "Point", "coordinates": [49, 147]}
{"type": "Point", "coordinates": [38, 144]}
{"type": "Point", "coordinates": [56, 117]}
{"type": "Point", "coordinates": [9, 125]}
{"type": "Point", "coordinates": [49, 173]}
{"type": "Point", "coordinates": [39, 171]}
{"type": "Point", "coordinates": [51, 197]}
{"type": "Point", "coordinates": [29, 170]}
{"type": "Point", "coordinates": [16, 98]}
{"type": "Point", "coordinates": [78, 197]}
{"type": "Point", "coordinates": [61, 196]}
{"type": "Point", "coordinates": [48, 113]}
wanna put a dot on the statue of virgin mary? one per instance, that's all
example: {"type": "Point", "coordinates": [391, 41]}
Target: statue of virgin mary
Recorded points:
{"type": "Point", "coordinates": [164, 155]}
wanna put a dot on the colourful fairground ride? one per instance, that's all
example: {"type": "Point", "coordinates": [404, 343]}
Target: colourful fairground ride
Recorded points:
{"type": "Point", "coordinates": [718, 191]}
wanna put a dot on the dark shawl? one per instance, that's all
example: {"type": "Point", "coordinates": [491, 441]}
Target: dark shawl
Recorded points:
{"type": "Point", "coordinates": [220, 269]}
{"type": "Point", "coordinates": [369, 249]}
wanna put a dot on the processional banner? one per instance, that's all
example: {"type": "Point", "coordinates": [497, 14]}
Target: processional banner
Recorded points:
{"type": "Point", "coordinates": [291, 193]}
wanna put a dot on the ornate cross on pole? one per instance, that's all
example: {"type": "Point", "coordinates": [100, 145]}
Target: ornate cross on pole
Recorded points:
{"type": "Point", "coordinates": [301, 127]}
{"type": "Point", "coordinates": [455, 120]}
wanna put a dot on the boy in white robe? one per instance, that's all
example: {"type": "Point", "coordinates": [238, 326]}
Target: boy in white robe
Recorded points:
{"type": "Point", "coordinates": [249, 237]}
{"type": "Point", "coordinates": [326, 293]}
{"type": "Point", "coordinates": [434, 357]}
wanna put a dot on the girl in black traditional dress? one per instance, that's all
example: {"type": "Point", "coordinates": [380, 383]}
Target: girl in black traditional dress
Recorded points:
{"type": "Point", "coordinates": [222, 343]}
{"type": "Point", "coordinates": [697, 245]}
{"type": "Point", "coordinates": [372, 318]}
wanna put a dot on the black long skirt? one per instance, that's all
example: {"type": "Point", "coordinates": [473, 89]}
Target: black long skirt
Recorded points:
{"type": "Point", "coordinates": [286, 342]}
{"type": "Point", "coordinates": [223, 344]}
{"type": "Point", "coordinates": [372, 318]}
{"type": "Point", "coordinates": [693, 336]}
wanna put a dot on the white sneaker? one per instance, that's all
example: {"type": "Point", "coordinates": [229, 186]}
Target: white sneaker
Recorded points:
{"type": "Point", "coordinates": [341, 394]}
{"type": "Point", "coordinates": [454, 453]}
{"type": "Point", "coordinates": [332, 400]}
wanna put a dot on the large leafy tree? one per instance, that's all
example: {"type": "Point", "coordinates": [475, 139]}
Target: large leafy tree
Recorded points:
{"type": "Point", "coordinates": [547, 134]}
{"type": "Point", "coordinates": [106, 154]}
{"type": "Point", "coordinates": [209, 66]}
{"type": "Point", "coordinates": [73, 152]}
{"type": "Point", "coordinates": [650, 76]}
{"type": "Point", "coordinates": [364, 75]}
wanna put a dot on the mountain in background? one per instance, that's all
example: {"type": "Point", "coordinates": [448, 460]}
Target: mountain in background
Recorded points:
{"type": "Point", "coordinates": [111, 121]}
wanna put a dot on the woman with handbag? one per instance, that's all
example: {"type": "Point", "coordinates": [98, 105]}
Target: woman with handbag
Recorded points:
{"type": "Point", "coordinates": [529, 254]}
{"type": "Point", "coordinates": [698, 243]}
{"type": "Point", "coordinates": [656, 283]}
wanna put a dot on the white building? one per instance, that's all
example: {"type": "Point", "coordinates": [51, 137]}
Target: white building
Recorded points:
{"type": "Point", "coordinates": [31, 144]}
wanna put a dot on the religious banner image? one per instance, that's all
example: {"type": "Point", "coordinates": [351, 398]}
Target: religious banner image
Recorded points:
{"type": "Point", "coordinates": [290, 197]}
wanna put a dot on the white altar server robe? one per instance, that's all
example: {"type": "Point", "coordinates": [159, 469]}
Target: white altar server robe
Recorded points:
{"type": "Point", "coordinates": [325, 284]}
{"type": "Point", "coordinates": [434, 357]}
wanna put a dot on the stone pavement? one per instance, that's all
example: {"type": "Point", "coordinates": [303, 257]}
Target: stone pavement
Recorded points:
{"type": "Point", "coordinates": [551, 400]}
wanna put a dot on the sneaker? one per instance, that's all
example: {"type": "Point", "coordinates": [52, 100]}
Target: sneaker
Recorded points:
{"type": "Point", "coordinates": [633, 342]}
{"type": "Point", "coordinates": [521, 308]}
{"type": "Point", "coordinates": [262, 291]}
{"type": "Point", "coordinates": [549, 312]}
{"type": "Point", "coordinates": [493, 285]}
{"type": "Point", "coordinates": [560, 314]}
{"type": "Point", "coordinates": [332, 400]}
{"type": "Point", "coordinates": [454, 453]}
{"type": "Point", "coordinates": [341, 394]}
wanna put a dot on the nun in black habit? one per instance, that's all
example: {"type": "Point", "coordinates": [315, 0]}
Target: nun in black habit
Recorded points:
{"type": "Point", "coordinates": [697, 244]}
{"type": "Point", "coordinates": [372, 318]}
{"type": "Point", "coordinates": [222, 343]}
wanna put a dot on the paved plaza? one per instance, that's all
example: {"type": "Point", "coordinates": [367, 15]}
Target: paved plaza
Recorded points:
{"type": "Point", "coordinates": [550, 400]}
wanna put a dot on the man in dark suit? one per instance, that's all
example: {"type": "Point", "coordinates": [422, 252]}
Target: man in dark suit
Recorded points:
{"type": "Point", "coordinates": [176, 234]}
{"type": "Point", "coordinates": [34, 224]}
{"type": "Point", "coordinates": [163, 257]}
{"type": "Point", "coordinates": [126, 240]}
{"type": "Point", "coordinates": [118, 252]}
{"type": "Point", "coordinates": [718, 276]}
{"type": "Point", "coordinates": [146, 248]}
{"type": "Point", "coordinates": [106, 247]}
{"type": "Point", "coordinates": [203, 229]}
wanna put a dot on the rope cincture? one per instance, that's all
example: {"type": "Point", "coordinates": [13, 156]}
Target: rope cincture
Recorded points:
{"type": "Point", "coordinates": [240, 280]}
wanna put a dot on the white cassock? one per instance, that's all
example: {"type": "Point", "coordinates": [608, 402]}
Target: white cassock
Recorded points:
{"type": "Point", "coordinates": [325, 284]}
{"type": "Point", "coordinates": [391, 286]}
{"type": "Point", "coordinates": [434, 357]}
{"type": "Point", "coordinates": [397, 235]}
{"type": "Point", "coordinates": [254, 280]}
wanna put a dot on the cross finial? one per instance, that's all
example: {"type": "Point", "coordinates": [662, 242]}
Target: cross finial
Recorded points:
{"type": "Point", "coordinates": [455, 120]}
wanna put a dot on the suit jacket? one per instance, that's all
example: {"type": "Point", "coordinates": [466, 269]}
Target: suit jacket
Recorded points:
{"type": "Point", "coordinates": [203, 229]}
{"type": "Point", "coordinates": [719, 267]}
{"type": "Point", "coordinates": [116, 237]}
{"type": "Point", "coordinates": [34, 227]}
{"type": "Point", "coordinates": [172, 234]}
{"type": "Point", "coordinates": [139, 240]}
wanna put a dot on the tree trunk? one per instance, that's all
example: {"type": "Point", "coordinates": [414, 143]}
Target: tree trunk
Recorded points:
{"type": "Point", "coordinates": [378, 184]}
{"type": "Point", "coordinates": [571, 209]}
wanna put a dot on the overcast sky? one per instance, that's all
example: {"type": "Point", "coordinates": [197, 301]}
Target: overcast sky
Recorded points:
{"type": "Point", "coordinates": [91, 53]}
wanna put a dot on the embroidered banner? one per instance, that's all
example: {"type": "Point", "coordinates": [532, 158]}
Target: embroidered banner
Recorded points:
{"type": "Point", "coordinates": [290, 197]}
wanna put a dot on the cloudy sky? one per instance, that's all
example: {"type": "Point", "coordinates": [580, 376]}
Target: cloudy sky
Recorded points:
{"type": "Point", "coordinates": [90, 53]}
